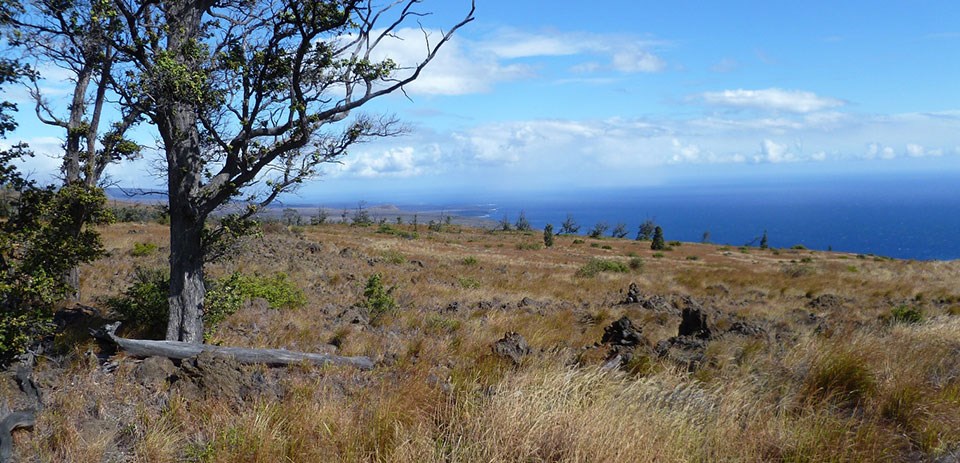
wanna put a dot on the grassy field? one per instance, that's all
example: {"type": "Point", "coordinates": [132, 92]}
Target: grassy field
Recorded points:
{"type": "Point", "coordinates": [852, 358]}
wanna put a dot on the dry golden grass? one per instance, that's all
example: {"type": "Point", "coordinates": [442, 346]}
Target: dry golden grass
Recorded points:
{"type": "Point", "coordinates": [828, 382]}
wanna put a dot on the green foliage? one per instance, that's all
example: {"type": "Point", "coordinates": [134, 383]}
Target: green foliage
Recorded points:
{"type": "Point", "coordinates": [798, 247]}
{"type": "Point", "coordinates": [143, 249]}
{"type": "Point", "coordinates": [658, 255]}
{"type": "Point", "coordinates": [389, 230]}
{"type": "Point", "coordinates": [596, 266]}
{"type": "Point", "coordinates": [906, 315]}
{"type": "Point", "coordinates": [278, 290]}
{"type": "Point", "coordinates": [469, 261]}
{"type": "Point", "coordinates": [764, 244]}
{"type": "Point", "coordinates": [468, 283]}
{"type": "Point", "coordinates": [647, 228]}
{"type": "Point", "coordinates": [548, 235]}
{"type": "Point", "coordinates": [43, 238]}
{"type": "Point", "coordinates": [144, 306]}
{"type": "Point", "coordinates": [619, 231]}
{"type": "Point", "coordinates": [635, 264]}
{"type": "Point", "coordinates": [569, 226]}
{"type": "Point", "coordinates": [394, 257]}
{"type": "Point", "coordinates": [377, 298]}
{"type": "Point", "coordinates": [599, 229]}
{"type": "Point", "coordinates": [658, 244]}
{"type": "Point", "coordinates": [528, 246]}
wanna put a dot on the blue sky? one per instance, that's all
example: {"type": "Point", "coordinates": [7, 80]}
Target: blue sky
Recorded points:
{"type": "Point", "coordinates": [537, 95]}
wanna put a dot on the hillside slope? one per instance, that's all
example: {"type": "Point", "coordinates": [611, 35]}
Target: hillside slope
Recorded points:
{"type": "Point", "coordinates": [732, 354]}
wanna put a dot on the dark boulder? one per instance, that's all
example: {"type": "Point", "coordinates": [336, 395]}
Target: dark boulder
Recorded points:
{"type": "Point", "coordinates": [623, 333]}
{"type": "Point", "coordinates": [512, 346]}
{"type": "Point", "coordinates": [695, 321]}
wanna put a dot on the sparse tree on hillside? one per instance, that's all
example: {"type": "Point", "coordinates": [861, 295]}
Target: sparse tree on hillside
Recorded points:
{"type": "Point", "coordinates": [569, 226]}
{"type": "Point", "coordinates": [548, 235]}
{"type": "Point", "coordinates": [599, 229]}
{"type": "Point", "coordinates": [619, 231]}
{"type": "Point", "coordinates": [658, 243]}
{"type": "Point", "coordinates": [250, 98]}
{"type": "Point", "coordinates": [706, 237]}
{"type": "Point", "coordinates": [645, 233]}
{"type": "Point", "coordinates": [522, 224]}
{"type": "Point", "coordinates": [504, 224]}
{"type": "Point", "coordinates": [763, 241]}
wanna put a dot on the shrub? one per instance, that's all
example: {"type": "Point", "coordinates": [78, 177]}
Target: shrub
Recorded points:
{"type": "Point", "coordinates": [528, 246]}
{"type": "Point", "coordinates": [905, 314]}
{"type": "Point", "coordinates": [143, 249]}
{"type": "Point", "coordinates": [468, 283]}
{"type": "Point", "coordinates": [389, 230]}
{"type": "Point", "coordinates": [522, 223]}
{"type": "Point", "coordinates": [548, 235]}
{"type": "Point", "coordinates": [469, 261]}
{"type": "Point", "coordinates": [143, 306]}
{"type": "Point", "coordinates": [394, 257]}
{"type": "Point", "coordinates": [798, 247]}
{"type": "Point", "coordinates": [658, 255]}
{"type": "Point", "coordinates": [595, 266]}
{"type": "Point", "coordinates": [658, 244]}
{"type": "Point", "coordinates": [378, 299]}
{"type": "Point", "coordinates": [635, 264]}
{"type": "Point", "coordinates": [578, 241]}
{"type": "Point", "coordinates": [675, 243]}
{"type": "Point", "coordinates": [606, 246]}
{"type": "Point", "coordinates": [692, 258]}
{"type": "Point", "coordinates": [278, 290]}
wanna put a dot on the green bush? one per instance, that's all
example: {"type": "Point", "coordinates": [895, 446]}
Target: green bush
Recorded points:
{"type": "Point", "coordinates": [469, 261]}
{"type": "Point", "coordinates": [144, 306]}
{"type": "Point", "coordinates": [905, 314]}
{"type": "Point", "coordinates": [389, 230]}
{"type": "Point", "coordinates": [378, 299]}
{"type": "Point", "coordinates": [595, 266]}
{"type": "Point", "coordinates": [842, 376]}
{"type": "Point", "coordinates": [278, 290]}
{"type": "Point", "coordinates": [143, 249]}
{"type": "Point", "coordinates": [798, 247]}
{"type": "Point", "coordinates": [468, 283]}
{"type": "Point", "coordinates": [635, 264]}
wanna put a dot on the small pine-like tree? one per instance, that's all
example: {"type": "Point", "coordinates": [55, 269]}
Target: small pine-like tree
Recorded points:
{"type": "Point", "coordinates": [548, 235]}
{"type": "Point", "coordinates": [763, 241]}
{"type": "Point", "coordinates": [658, 244]}
{"type": "Point", "coordinates": [504, 224]}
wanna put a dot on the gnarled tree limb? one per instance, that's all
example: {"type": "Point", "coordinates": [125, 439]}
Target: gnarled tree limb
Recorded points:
{"type": "Point", "coordinates": [181, 350]}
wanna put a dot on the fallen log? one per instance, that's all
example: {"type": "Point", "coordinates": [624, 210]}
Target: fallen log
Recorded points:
{"type": "Point", "coordinates": [181, 350]}
{"type": "Point", "coordinates": [21, 419]}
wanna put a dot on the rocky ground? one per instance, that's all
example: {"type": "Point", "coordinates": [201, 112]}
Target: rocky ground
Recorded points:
{"type": "Point", "coordinates": [502, 350]}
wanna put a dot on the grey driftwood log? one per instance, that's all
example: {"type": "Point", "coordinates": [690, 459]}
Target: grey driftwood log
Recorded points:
{"type": "Point", "coordinates": [20, 419]}
{"type": "Point", "coordinates": [181, 350]}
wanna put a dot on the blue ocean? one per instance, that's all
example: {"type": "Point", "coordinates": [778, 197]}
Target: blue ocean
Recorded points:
{"type": "Point", "coordinates": [908, 218]}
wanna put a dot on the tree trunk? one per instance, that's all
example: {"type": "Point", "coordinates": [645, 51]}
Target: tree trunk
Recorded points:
{"type": "Point", "coordinates": [186, 277]}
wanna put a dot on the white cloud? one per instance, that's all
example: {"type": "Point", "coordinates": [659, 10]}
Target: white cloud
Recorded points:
{"type": "Point", "coordinates": [603, 51]}
{"type": "Point", "coordinates": [915, 151]}
{"type": "Point", "coordinates": [771, 99]}
{"type": "Point", "coordinates": [773, 152]}
{"type": "Point", "coordinates": [457, 69]}
{"type": "Point", "coordinates": [725, 65]}
{"type": "Point", "coordinates": [395, 162]}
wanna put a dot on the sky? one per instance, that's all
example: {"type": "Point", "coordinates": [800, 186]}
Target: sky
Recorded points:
{"type": "Point", "coordinates": [538, 96]}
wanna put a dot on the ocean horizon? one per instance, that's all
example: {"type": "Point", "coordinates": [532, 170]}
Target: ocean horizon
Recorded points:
{"type": "Point", "coordinates": [906, 218]}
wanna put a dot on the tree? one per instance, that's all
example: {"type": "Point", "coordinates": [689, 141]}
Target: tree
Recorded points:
{"type": "Point", "coordinates": [75, 36]}
{"type": "Point", "coordinates": [522, 224]}
{"type": "Point", "coordinates": [706, 237]}
{"type": "Point", "coordinates": [251, 94]}
{"type": "Point", "coordinates": [569, 226]}
{"type": "Point", "coordinates": [658, 244]}
{"type": "Point", "coordinates": [599, 229]}
{"type": "Point", "coordinates": [763, 241]}
{"type": "Point", "coordinates": [548, 235]}
{"type": "Point", "coordinates": [646, 230]}
{"type": "Point", "coordinates": [35, 244]}
{"type": "Point", "coordinates": [619, 231]}
{"type": "Point", "coordinates": [504, 224]}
